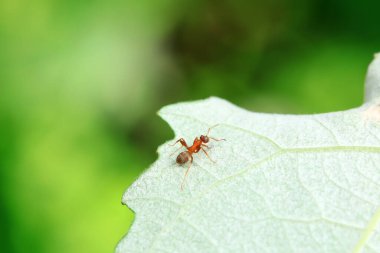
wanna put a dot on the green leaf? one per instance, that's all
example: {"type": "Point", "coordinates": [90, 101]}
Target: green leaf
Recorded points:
{"type": "Point", "coordinates": [281, 183]}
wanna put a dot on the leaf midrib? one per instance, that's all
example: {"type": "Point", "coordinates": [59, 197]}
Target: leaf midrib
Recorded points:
{"type": "Point", "coordinates": [282, 151]}
{"type": "Point", "coordinates": [279, 151]}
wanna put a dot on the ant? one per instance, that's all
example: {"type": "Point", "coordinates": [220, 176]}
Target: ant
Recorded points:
{"type": "Point", "coordinates": [198, 144]}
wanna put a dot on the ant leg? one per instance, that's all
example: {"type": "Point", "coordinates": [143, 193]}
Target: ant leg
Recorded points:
{"type": "Point", "coordinates": [204, 145]}
{"type": "Point", "coordinates": [187, 171]}
{"type": "Point", "coordinates": [182, 141]}
{"type": "Point", "coordinates": [175, 151]}
{"type": "Point", "coordinates": [175, 142]}
{"type": "Point", "coordinates": [216, 139]}
{"type": "Point", "coordinates": [208, 155]}
{"type": "Point", "coordinates": [183, 144]}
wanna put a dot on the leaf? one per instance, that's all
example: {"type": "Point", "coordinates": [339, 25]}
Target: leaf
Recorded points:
{"type": "Point", "coordinates": [281, 183]}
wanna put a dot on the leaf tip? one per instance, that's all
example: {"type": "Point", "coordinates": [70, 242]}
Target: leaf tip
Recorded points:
{"type": "Point", "coordinates": [372, 87]}
{"type": "Point", "coordinates": [372, 113]}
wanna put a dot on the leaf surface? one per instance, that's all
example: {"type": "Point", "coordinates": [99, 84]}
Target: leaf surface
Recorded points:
{"type": "Point", "coordinates": [281, 183]}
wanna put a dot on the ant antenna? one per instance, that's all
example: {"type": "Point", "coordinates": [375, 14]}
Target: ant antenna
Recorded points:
{"type": "Point", "coordinates": [212, 137]}
{"type": "Point", "coordinates": [211, 128]}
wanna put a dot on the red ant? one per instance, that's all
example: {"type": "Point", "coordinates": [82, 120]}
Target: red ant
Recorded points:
{"type": "Point", "coordinates": [198, 144]}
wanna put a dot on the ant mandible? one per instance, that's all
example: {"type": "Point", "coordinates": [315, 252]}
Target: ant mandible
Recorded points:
{"type": "Point", "coordinates": [198, 144]}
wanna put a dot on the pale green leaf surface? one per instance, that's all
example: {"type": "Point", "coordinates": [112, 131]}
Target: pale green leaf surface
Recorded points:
{"type": "Point", "coordinates": [281, 183]}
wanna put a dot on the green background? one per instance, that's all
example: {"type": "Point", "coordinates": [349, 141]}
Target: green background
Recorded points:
{"type": "Point", "coordinates": [81, 82]}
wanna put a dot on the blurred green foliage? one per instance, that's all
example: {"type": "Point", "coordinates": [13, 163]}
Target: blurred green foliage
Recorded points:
{"type": "Point", "coordinates": [81, 81]}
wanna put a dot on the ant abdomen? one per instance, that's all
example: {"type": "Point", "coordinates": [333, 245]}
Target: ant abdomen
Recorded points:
{"type": "Point", "coordinates": [183, 157]}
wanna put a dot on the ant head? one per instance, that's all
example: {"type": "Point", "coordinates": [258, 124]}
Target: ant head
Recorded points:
{"type": "Point", "coordinates": [204, 138]}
